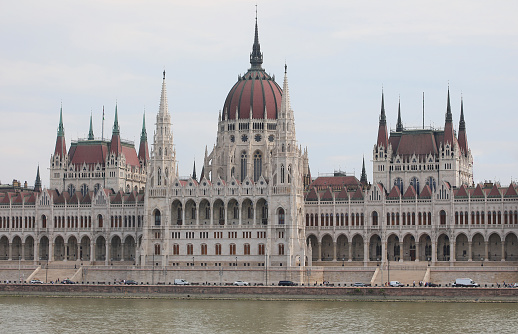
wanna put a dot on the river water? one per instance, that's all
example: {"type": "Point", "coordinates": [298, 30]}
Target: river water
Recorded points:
{"type": "Point", "coordinates": [104, 315]}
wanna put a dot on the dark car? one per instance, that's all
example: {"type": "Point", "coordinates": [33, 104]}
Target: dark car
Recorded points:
{"type": "Point", "coordinates": [287, 283]}
{"type": "Point", "coordinates": [67, 281]}
{"type": "Point", "coordinates": [130, 282]}
{"type": "Point", "coordinates": [358, 284]}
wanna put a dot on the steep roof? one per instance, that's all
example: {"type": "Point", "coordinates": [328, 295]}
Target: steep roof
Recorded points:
{"type": "Point", "coordinates": [327, 196]}
{"type": "Point", "coordinates": [410, 192]}
{"type": "Point", "coordinates": [395, 193]}
{"type": "Point", "coordinates": [312, 195]}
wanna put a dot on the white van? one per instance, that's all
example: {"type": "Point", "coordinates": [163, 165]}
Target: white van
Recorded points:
{"type": "Point", "coordinates": [465, 282]}
{"type": "Point", "coordinates": [180, 281]}
{"type": "Point", "coordinates": [395, 284]}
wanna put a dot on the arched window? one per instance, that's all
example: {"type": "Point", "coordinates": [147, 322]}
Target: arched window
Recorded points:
{"type": "Point", "coordinates": [159, 176]}
{"type": "Point", "coordinates": [289, 174]}
{"type": "Point", "coordinates": [281, 216]}
{"type": "Point", "coordinates": [281, 249]}
{"type": "Point", "coordinates": [431, 183]}
{"type": "Point", "coordinates": [442, 214]}
{"type": "Point", "coordinates": [398, 182]}
{"type": "Point", "coordinates": [157, 218]}
{"type": "Point", "coordinates": [414, 182]}
{"type": "Point", "coordinates": [374, 218]}
{"type": "Point", "coordinates": [282, 173]}
{"type": "Point", "coordinates": [243, 165]}
{"type": "Point", "coordinates": [258, 165]}
{"type": "Point", "coordinates": [157, 249]}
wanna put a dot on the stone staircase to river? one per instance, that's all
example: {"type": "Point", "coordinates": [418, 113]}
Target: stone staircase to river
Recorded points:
{"type": "Point", "coordinates": [403, 274]}
{"type": "Point", "coordinates": [56, 272]}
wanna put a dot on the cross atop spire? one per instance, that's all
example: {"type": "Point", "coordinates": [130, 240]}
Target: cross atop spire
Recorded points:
{"type": "Point", "coordinates": [91, 132]}
{"type": "Point", "coordinates": [256, 57]}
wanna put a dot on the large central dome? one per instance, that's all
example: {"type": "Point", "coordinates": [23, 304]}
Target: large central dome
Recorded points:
{"type": "Point", "coordinates": [254, 92]}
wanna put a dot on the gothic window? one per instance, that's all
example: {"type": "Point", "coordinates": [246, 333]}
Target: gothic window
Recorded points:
{"type": "Point", "coordinates": [243, 165]}
{"type": "Point", "coordinates": [442, 215]}
{"type": "Point", "coordinates": [281, 216]}
{"type": "Point", "coordinates": [258, 163]}
{"type": "Point", "coordinates": [282, 173]}
{"type": "Point", "coordinates": [374, 218]}
{"type": "Point", "coordinates": [159, 176]}
{"type": "Point", "coordinates": [157, 249]}
{"type": "Point", "coordinates": [281, 249]}
{"type": "Point", "coordinates": [160, 151]}
{"type": "Point", "coordinates": [289, 174]}
{"type": "Point", "coordinates": [431, 183]}
{"type": "Point", "coordinates": [282, 148]}
{"type": "Point", "coordinates": [71, 189]}
{"type": "Point", "coordinates": [157, 218]}
{"type": "Point", "coordinates": [398, 182]}
{"type": "Point", "coordinates": [84, 189]}
{"type": "Point", "coordinates": [414, 182]}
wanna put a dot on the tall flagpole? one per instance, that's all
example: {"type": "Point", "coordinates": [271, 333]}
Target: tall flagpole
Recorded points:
{"type": "Point", "coordinates": [103, 126]}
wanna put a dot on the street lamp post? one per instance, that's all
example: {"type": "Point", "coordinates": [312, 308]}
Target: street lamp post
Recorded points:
{"type": "Point", "coordinates": [19, 268]}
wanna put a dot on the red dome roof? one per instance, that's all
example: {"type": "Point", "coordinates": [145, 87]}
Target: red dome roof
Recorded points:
{"type": "Point", "coordinates": [255, 91]}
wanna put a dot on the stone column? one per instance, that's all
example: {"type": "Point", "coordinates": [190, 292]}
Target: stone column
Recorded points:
{"type": "Point", "coordinates": [319, 248]}
{"type": "Point", "coordinates": [23, 250]}
{"type": "Point", "coordinates": [401, 251]}
{"type": "Point", "coordinates": [417, 251]}
{"type": "Point", "coordinates": [10, 251]}
{"type": "Point", "coordinates": [350, 255]}
{"type": "Point", "coordinates": [470, 256]}
{"type": "Point", "coordinates": [334, 251]}
{"type": "Point", "coordinates": [183, 215]}
{"type": "Point", "coordinates": [366, 249]}
{"type": "Point", "coordinates": [92, 251]}
{"type": "Point", "coordinates": [197, 211]}
{"type": "Point", "coordinates": [36, 251]}
{"type": "Point", "coordinates": [122, 250]}
{"type": "Point", "coordinates": [452, 251]}
{"type": "Point", "coordinates": [239, 214]}
{"type": "Point", "coordinates": [486, 251]}
{"type": "Point", "coordinates": [434, 251]}
{"type": "Point", "coordinates": [211, 209]}
{"type": "Point", "coordinates": [65, 258]}
{"type": "Point", "coordinates": [107, 252]}
{"type": "Point", "coordinates": [51, 251]}
{"type": "Point", "coordinates": [503, 251]}
{"type": "Point", "coordinates": [383, 251]}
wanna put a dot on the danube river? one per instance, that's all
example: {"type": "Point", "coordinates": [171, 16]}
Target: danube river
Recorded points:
{"type": "Point", "coordinates": [105, 315]}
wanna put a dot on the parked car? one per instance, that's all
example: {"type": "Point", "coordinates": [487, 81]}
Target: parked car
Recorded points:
{"type": "Point", "coordinates": [287, 283]}
{"type": "Point", "coordinates": [36, 281]}
{"type": "Point", "coordinates": [241, 283]}
{"type": "Point", "coordinates": [395, 284]}
{"type": "Point", "coordinates": [67, 281]}
{"type": "Point", "coordinates": [180, 281]}
{"type": "Point", "coordinates": [130, 282]}
{"type": "Point", "coordinates": [359, 284]}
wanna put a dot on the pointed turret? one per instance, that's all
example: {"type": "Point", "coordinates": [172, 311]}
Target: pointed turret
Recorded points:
{"type": "Point", "coordinates": [363, 178]}
{"type": "Point", "coordinates": [256, 57]}
{"type": "Point", "coordinates": [91, 132]}
{"type": "Point", "coordinates": [115, 146]}
{"type": "Point", "coordinates": [61, 147]}
{"type": "Point", "coordinates": [448, 125]}
{"type": "Point", "coordinates": [37, 183]}
{"type": "Point", "coordinates": [194, 170]}
{"type": "Point", "coordinates": [399, 125]}
{"type": "Point", "coordinates": [382, 130]}
{"type": "Point", "coordinates": [143, 152]}
{"type": "Point", "coordinates": [463, 138]}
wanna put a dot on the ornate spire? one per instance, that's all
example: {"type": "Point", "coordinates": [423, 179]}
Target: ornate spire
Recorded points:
{"type": "Point", "coordinates": [285, 99]}
{"type": "Point", "coordinates": [363, 178]}
{"type": "Point", "coordinates": [37, 184]}
{"type": "Point", "coordinates": [143, 134]}
{"type": "Point", "coordinates": [449, 117]}
{"type": "Point", "coordinates": [61, 129]}
{"type": "Point", "coordinates": [163, 108]}
{"type": "Point", "coordinates": [91, 132]}
{"type": "Point", "coordinates": [256, 57]}
{"type": "Point", "coordinates": [462, 124]}
{"type": "Point", "coordinates": [383, 117]}
{"type": "Point", "coordinates": [194, 170]}
{"type": "Point", "coordinates": [399, 125]}
{"type": "Point", "coordinates": [116, 129]}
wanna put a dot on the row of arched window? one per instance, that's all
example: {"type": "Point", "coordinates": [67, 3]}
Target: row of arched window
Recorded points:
{"type": "Point", "coordinates": [357, 219]}
{"type": "Point", "coordinates": [17, 222]}
{"type": "Point", "coordinates": [129, 221]}
{"type": "Point", "coordinates": [341, 219]}
{"type": "Point", "coordinates": [480, 217]}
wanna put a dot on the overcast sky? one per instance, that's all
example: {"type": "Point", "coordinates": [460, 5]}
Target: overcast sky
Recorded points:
{"type": "Point", "coordinates": [89, 54]}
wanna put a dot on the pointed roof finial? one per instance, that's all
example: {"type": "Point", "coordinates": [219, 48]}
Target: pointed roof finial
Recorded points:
{"type": "Point", "coordinates": [256, 57]}
{"type": "Point", "coordinates": [462, 124]}
{"type": "Point", "coordinates": [383, 117]}
{"type": "Point", "coordinates": [399, 125]}
{"type": "Point", "coordinates": [116, 129]}
{"type": "Point", "coordinates": [449, 117]}
{"type": "Point", "coordinates": [143, 134]}
{"type": "Point", "coordinates": [363, 178]}
{"type": "Point", "coordinates": [37, 184]}
{"type": "Point", "coordinates": [91, 132]}
{"type": "Point", "coordinates": [61, 129]}
{"type": "Point", "coordinates": [194, 170]}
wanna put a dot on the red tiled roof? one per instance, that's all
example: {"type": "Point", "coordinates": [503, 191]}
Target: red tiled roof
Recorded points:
{"type": "Point", "coordinates": [312, 195]}
{"type": "Point", "coordinates": [394, 193]}
{"type": "Point", "coordinates": [327, 196]}
{"type": "Point", "coordinates": [88, 153]}
{"type": "Point", "coordinates": [418, 142]}
{"type": "Point", "coordinates": [478, 192]}
{"type": "Point", "coordinates": [511, 191]}
{"type": "Point", "coordinates": [495, 192]}
{"type": "Point", "coordinates": [131, 155]}
{"type": "Point", "coordinates": [462, 192]}
{"type": "Point", "coordinates": [358, 194]}
{"type": "Point", "coordinates": [342, 195]}
{"type": "Point", "coordinates": [334, 181]}
{"type": "Point", "coordinates": [410, 192]}
{"type": "Point", "coordinates": [426, 193]}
